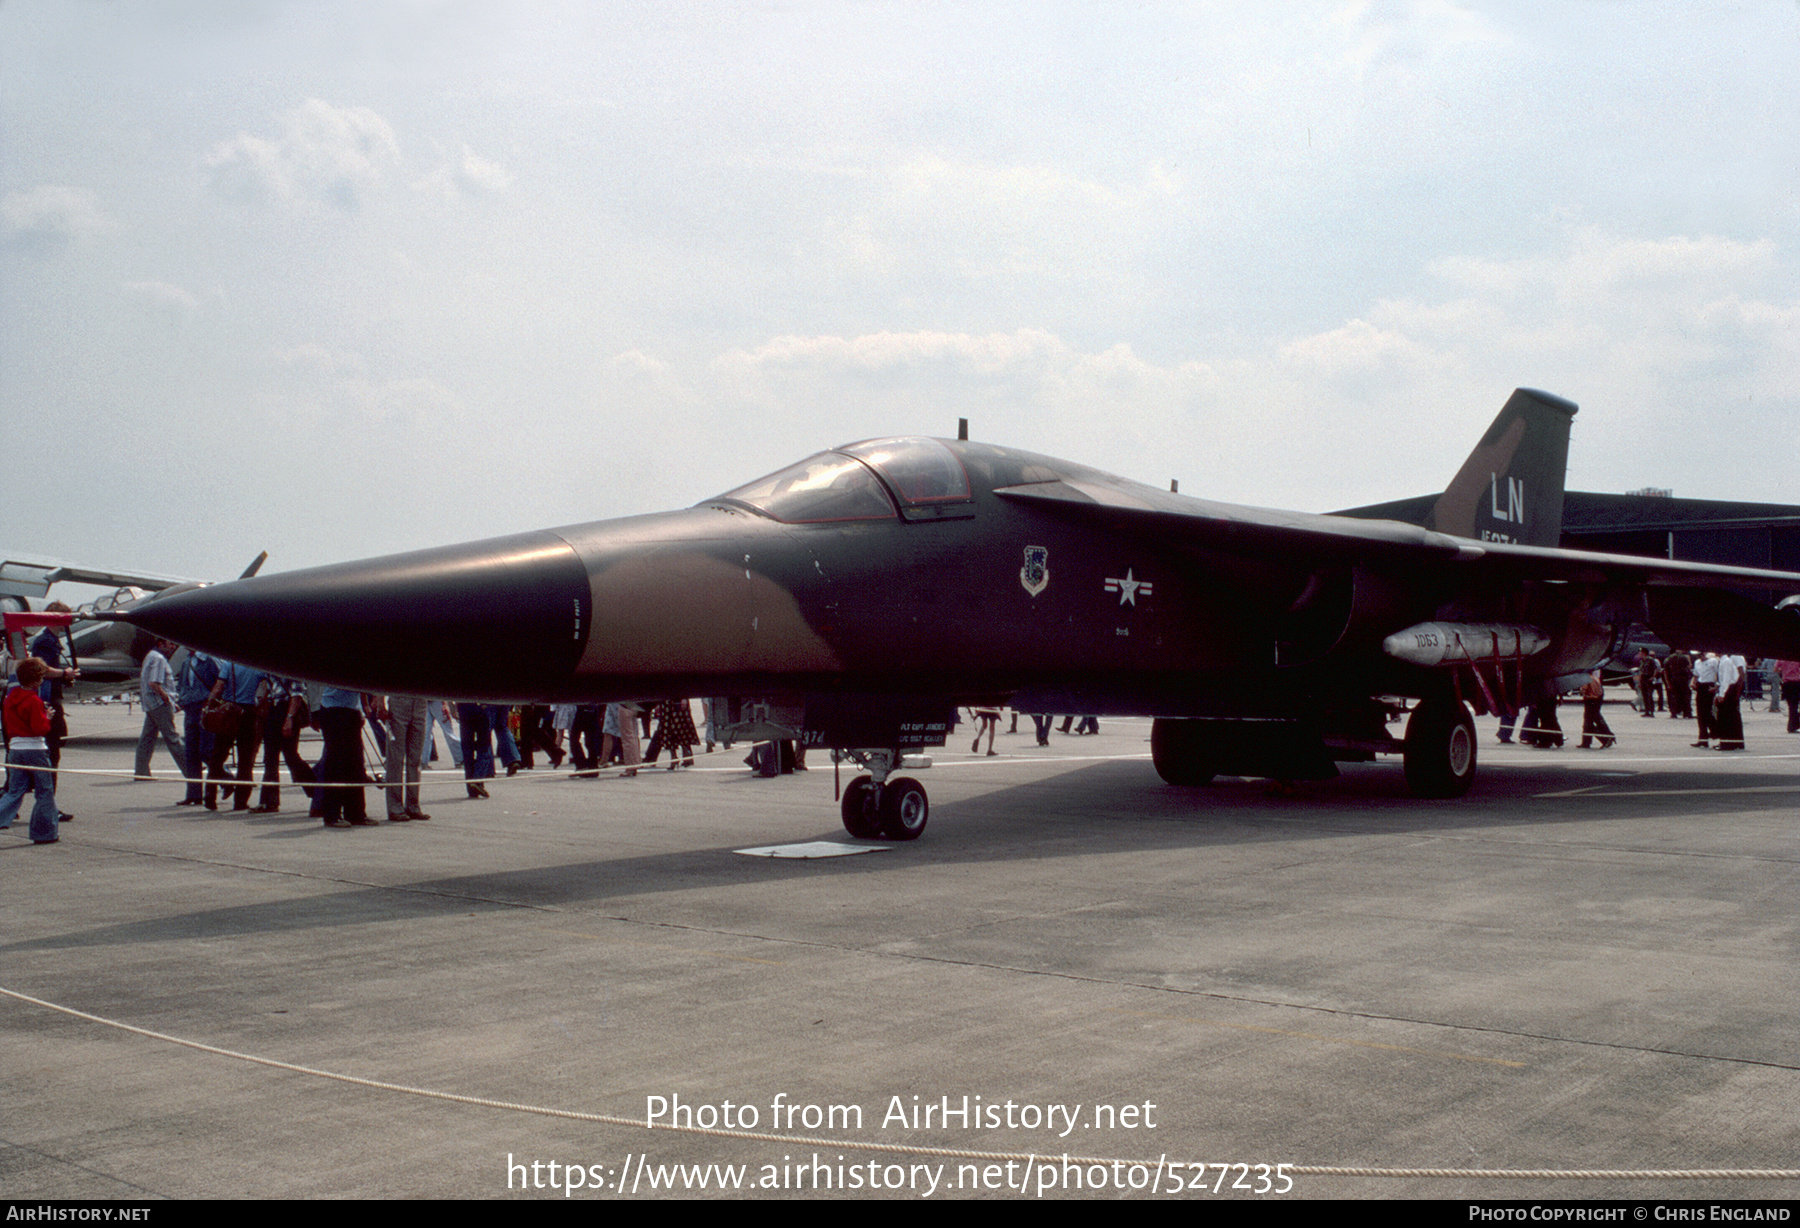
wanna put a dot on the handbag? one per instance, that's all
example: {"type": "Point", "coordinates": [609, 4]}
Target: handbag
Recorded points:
{"type": "Point", "coordinates": [221, 717]}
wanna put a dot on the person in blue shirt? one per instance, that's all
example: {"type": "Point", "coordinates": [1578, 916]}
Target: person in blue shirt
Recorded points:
{"type": "Point", "coordinates": [340, 720]}
{"type": "Point", "coordinates": [236, 689]}
{"type": "Point", "coordinates": [48, 649]}
{"type": "Point", "coordinates": [195, 684]}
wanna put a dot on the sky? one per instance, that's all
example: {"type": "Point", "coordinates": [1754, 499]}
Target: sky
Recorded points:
{"type": "Point", "coordinates": [341, 279]}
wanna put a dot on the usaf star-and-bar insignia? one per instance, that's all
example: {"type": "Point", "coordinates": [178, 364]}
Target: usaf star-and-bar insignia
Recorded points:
{"type": "Point", "coordinates": [1129, 589]}
{"type": "Point", "coordinates": [1035, 575]}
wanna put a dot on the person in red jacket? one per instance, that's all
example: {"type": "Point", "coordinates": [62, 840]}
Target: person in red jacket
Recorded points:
{"type": "Point", "coordinates": [27, 724]}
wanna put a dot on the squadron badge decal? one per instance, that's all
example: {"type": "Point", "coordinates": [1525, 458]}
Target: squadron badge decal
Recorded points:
{"type": "Point", "coordinates": [1035, 575]}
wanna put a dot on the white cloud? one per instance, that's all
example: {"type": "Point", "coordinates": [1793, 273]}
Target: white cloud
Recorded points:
{"type": "Point", "coordinates": [1025, 358]}
{"type": "Point", "coordinates": [1597, 264]}
{"type": "Point", "coordinates": [1644, 333]}
{"type": "Point", "coordinates": [335, 386]}
{"type": "Point", "coordinates": [163, 296]}
{"type": "Point", "coordinates": [1357, 347]}
{"type": "Point", "coordinates": [470, 175]}
{"type": "Point", "coordinates": [310, 356]}
{"type": "Point", "coordinates": [52, 212]}
{"type": "Point", "coordinates": [889, 351]}
{"type": "Point", "coordinates": [478, 174]}
{"type": "Point", "coordinates": [1613, 308]}
{"type": "Point", "coordinates": [1403, 39]}
{"type": "Point", "coordinates": [1002, 220]}
{"type": "Point", "coordinates": [1029, 387]}
{"type": "Point", "coordinates": [628, 363]}
{"type": "Point", "coordinates": [415, 403]}
{"type": "Point", "coordinates": [1662, 341]}
{"type": "Point", "coordinates": [330, 155]}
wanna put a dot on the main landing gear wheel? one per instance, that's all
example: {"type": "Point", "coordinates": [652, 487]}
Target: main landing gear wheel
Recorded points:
{"type": "Point", "coordinates": [1178, 751]}
{"type": "Point", "coordinates": [861, 819]}
{"type": "Point", "coordinates": [1440, 749]}
{"type": "Point", "coordinates": [904, 808]}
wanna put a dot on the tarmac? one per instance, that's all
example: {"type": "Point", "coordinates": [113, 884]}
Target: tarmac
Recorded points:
{"type": "Point", "coordinates": [1588, 965]}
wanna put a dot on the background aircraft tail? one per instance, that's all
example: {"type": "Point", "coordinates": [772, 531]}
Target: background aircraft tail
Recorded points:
{"type": "Point", "coordinates": [1511, 487]}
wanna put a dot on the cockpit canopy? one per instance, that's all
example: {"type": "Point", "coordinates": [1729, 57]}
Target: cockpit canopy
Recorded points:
{"type": "Point", "coordinates": [915, 478]}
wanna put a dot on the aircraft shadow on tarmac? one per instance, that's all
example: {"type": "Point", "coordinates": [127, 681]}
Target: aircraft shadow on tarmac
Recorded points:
{"type": "Point", "coordinates": [1097, 809]}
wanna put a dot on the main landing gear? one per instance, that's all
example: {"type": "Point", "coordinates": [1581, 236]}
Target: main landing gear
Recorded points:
{"type": "Point", "coordinates": [1440, 749]}
{"type": "Point", "coordinates": [1178, 750]}
{"type": "Point", "coordinates": [881, 806]}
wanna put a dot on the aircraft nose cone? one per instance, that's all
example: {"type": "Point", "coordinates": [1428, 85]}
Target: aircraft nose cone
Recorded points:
{"type": "Point", "coordinates": [504, 619]}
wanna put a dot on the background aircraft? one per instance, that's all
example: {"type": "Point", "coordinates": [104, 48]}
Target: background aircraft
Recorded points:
{"type": "Point", "coordinates": [854, 599]}
{"type": "Point", "coordinates": [109, 653]}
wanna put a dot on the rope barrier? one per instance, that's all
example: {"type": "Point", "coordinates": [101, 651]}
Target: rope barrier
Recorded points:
{"type": "Point", "coordinates": [954, 1153]}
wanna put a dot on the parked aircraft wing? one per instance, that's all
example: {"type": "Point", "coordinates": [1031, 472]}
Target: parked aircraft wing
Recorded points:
{"type": "Point", "coordinates": [41, 574]}
{"type": "Point", "coordinates": [1253, 531]}
{"type": "Point", "coordinates": [1229, 528]}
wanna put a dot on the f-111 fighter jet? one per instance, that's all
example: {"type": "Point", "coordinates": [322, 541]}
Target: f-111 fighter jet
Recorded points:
{"type": "Point", "coordinates": [855, 599]}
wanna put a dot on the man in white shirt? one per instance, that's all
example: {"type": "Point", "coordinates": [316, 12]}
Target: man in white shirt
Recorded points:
{"type": "Point", "coordinates": [159, 709]}
{"type": "Point", "coordinates": [1728, 717]}
{"type": "Point", "coordinates": [1706, 686]}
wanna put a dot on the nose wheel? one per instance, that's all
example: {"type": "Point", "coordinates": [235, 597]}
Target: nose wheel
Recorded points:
{"type": "Point", "coordinates": [862, 818]}
{"type": "Point", "coordinates": [893, 809]}
{"type": "Point", "coordinates": [904, 809]}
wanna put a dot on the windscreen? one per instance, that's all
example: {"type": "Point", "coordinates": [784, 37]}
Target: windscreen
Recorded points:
{"type": "Point", "coordinates": [829, 486]}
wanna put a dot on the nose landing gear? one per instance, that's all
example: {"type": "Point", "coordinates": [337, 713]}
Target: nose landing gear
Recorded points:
{"type": "Point", "coordinates": [881, 806]}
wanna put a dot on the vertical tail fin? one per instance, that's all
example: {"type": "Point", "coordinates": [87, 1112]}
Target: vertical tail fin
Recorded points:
{"type": "Point", "coordinates": [1511, 487]}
